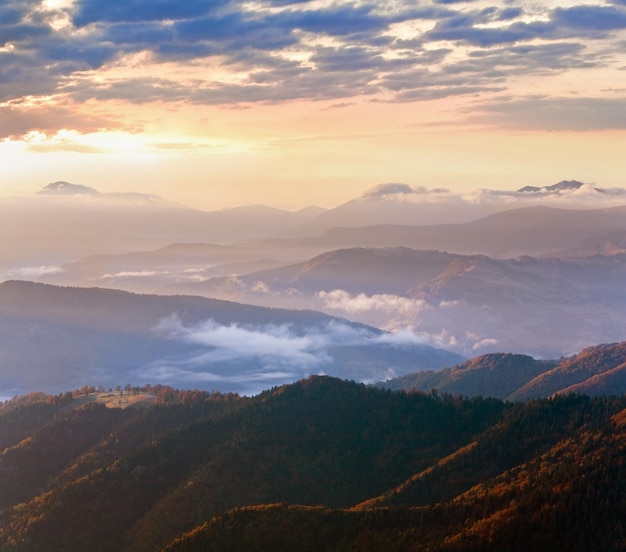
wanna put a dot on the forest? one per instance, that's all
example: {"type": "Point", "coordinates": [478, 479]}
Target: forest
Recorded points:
{"type": "Point", "coordinates": [322, 464]}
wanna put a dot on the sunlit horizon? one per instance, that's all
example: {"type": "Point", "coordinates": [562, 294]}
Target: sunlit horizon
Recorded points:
{"type": "Point", "coordinates": [292, 104]}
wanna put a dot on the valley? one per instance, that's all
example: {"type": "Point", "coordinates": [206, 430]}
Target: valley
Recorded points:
{"type": "Point", "coordinates": [301, 385]}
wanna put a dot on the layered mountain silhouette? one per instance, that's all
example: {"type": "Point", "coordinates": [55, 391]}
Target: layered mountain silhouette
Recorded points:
{"type": "Point", "coordinates": [54, 338]}
{"type": "Point", "coordinates": [401, 204]}
{"type": "Point", "coordinates": [81, 221]}
{"type": "Point", "coordinates": [477, 303]}
{"type": "Point", "coordinates": [510, 233]}
{"type": "Point", "coordinates": [533, 231]}
{"type": "Point", "coordinates": [66, 221]}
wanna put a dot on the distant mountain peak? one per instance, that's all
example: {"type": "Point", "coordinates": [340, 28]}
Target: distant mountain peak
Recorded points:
{"type": "Point", "coordinates": [563, 185]}
{"type": "Point", "coordinates": [63, 188]}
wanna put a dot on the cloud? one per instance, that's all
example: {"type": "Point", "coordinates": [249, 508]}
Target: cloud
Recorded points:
{"type": "Point", "coordinates": [579, 195]}
{"type": "Point", "coordinates": [592, 19]}
{"type": "Point", "coordinates": [340, 300]}
{"type": "Point", "coordinates": [382, 190]}
{"type": "Point", "coordinates": [50, 119]}
{"type": "Point", "coordinates": [133, 274]}
{"type": "Point", "coordinates": [226, 52]}
{"type": "Point", "coordinates": [276, 344]}
{"type": "Point", "coordinates": [249, 357]}
{"type": "Point", "coordinates": [488, 342]}
{"type": "Point", "coordinates": [97, 11]}
{"type": "Point", "coordinates": [34, 272]}
{"type": "Point", "coordinates": [582, 21]}
{"type": "Point", "coordinates": [164, 373]}
{"type": "Point", "coordinates": [404, 192]}
{"type": "Point", "coordinates": [401, 338]}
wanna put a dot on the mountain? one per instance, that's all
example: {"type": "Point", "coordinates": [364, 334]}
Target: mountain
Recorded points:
{"type": "Point", "coordinates": [147, 271]}
{"type": "Point", "coordinates": [588, 372]}
{"type": "Point", "coordinates": [66, 188]}
{"type": "Point", "coordinates": [177, 263]}
{"type": "Point", "coordinates": [597, 370]}
{"type": "Point", "coordinates": [609, 244]}
{"type": "Point", "coordinates": [388, 215]}
{"type": "Point", "coordinates": [80, 221]}
{"type": "Point", "coordinates": [320, 465]}
{"type": "Point", "coordinates": [564, 185]}
{"type": "Point", "coordinates": [54, 338]}
{"type": "Point", "coordinates": [514, 232]}
{"type": "Point", "coordinates": [472, 303]}
{"type": "Point", "coordinates": [401, 204]}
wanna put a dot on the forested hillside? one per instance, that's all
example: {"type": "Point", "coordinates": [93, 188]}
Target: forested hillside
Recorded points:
{"type": "Point", "coordinates": [598, 370]}
{"type": "Point", "coordinates": [322, 464]}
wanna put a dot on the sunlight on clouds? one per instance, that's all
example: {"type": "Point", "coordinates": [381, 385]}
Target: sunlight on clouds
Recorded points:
{"type": "Point", "coordinates": [339, 299]}
{"type": "Point", "coordinates": [29, 101]}
{"type": "Point", "coordinates": [33, 272]}
{"type": "Point", "coordinates": [124, 143]}
{"type": "Point", "coordinates": [409, 30]}
{"type": "Point", "coordinates": [418, 86]}
{"type": "Point", "coordinates": [57, 4]}
{"type": "Point", "coordinates": [71, 140]}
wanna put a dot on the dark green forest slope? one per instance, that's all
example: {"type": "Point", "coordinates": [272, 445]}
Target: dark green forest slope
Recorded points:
{"type": "Point", "coordinates": [323, 464]}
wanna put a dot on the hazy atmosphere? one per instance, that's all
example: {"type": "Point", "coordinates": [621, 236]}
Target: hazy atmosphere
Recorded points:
{"type": "Point", "coordinates": [449, 172]}
{"type": "Point", "coordinates": [312, 275]}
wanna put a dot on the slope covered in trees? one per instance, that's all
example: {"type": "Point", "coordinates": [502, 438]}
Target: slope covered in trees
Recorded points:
{"type": "Point", "coordinates": [598, 370]}
{"type": "Point", "coordinates": [322, 464]}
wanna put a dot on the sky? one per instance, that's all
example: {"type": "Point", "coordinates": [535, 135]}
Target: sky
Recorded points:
{"type": "Point", "coordinates": [218, 103]}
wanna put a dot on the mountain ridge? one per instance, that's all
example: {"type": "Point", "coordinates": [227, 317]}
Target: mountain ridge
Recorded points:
{"type": "Point", "coordinates": [319, 465]}
{"type": "Point", "coordinates": [596, 370]}
{"type": "Point", "coordinates": [469, 298]}
{"type": "Point", "coordinates": [69, 337]}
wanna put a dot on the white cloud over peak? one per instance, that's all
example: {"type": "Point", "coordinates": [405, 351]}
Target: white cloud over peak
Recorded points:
{"type": "Point", "coordinates": [341, 300]}
{"type": "Point", "coordinates": [580, 195]}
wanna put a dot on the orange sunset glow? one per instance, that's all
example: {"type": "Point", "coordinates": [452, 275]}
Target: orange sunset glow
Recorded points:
{"type": "Point", "coordinates": [225, 103]}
